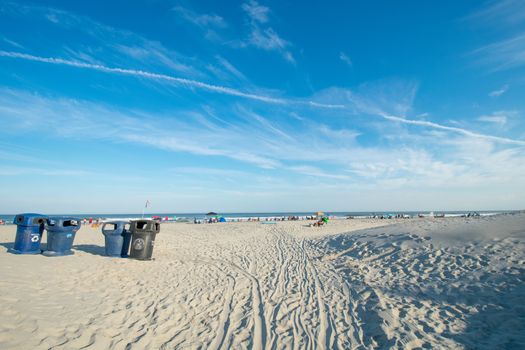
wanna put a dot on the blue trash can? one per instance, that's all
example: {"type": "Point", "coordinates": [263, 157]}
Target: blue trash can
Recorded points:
{"type": "Point", "coordinates": [117, 238]}
{"type": "Point", "coordinates": [60, 235]}
{"type": "Point", "coordinates": [29, 231]}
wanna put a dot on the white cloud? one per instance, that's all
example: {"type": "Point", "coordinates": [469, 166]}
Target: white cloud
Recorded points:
{"type": "Point", "coordinates": [503, 55]}
{"type": "Point", "coordinates": [193, 146]}
{"type": "Point", "coordinates": [144, 74]}
{"type": "Point", "coordinates": [13, 43]}
{"type": "Point", "coordinates": [506, 12]}
{"type": "Point", "coordinates": [256, 11]}
{"type": "Point", "coordinates": [320, 157]}
{"type": "Point", "coordinates": [456, 130]}
{"type": "Point", "coordinates": [80, 56]}
{"type": "Point", "coordinates": [182, 82]}
{"type": "Point", "coordinates": [267, 39]}
{"type": "Point", "coordinates": [506, 17]}
{"type": "Point", "coordinates": [106, 42]}
{"type": "Point", "coordinates": [151, 51]}
{"type": "Point", "coordinates": [96, 121]}
{"type": "Point", "coordinates": [316, 172]}
{"type": "Point", "coordinates": [52, 17]}
{"type": "Point", "coordinates": [344, 57]}
{"type": "Point", "coordinates": [499, 117]}
{"type": "Point", "coordinates": [392, 100]}
{"type": "Point", "coordinates": [230, 68]}
{"type": "Point", "coordinates": [496, 119]}
{"type": "Point", "coordinates": [499, 92]}
{"type": "Point", "coordinates": [341, 134]}
{"type": "Point", "coordinates": [371, 100]}
{"type": "Point", "coordinates": [388, 96]}
{"type": "Point", "coordinates": [262, 36]}
{"type": "Point", "coordinates": [205, 171]}
{"type": "Point", "coordinates": [265, 123]}
{"type": "Point", "coordinates": [201, 20]}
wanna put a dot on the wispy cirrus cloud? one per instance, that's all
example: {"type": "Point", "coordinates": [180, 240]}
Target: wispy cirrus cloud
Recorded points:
{"type": "Point", "coordinates": [183, 82]}
{"type": "Point", "coordinates": [499, 92]}
{"type": "Point", "coordinates": [100, 122]}
{"type": "Point", "coordinates": [151, 51]}
{"type": "Point", "coordinates": [203, 20]}
{"type": "Point", "coordinates": [264, 123]}
{"type": "Point", "coordinates": [392, 96]}
{"type": "Point", "coordinates": [499, 117]}
{"type": "Point", "coordinates": [229, 67]}
{"type": "Point", "coordinates": [392, 100]}
{"type": "Point", "coordinates": [373, 100]}
{"type": "Point", "coordinates": [329, 155]}
{"type": "Point", "coordinates": [344, 57]}
{"type": "Point", "coordinates": [209, 23]}
{"type": "Point", "coordinates": [95, 42]}
{"type": "Point", "coordinates": [13, 43]}
{"type": "Point", "coordinates": [455, 130]}
{"type": "Point", "coordinates": [495, 119]}
{"type": "Point", "coordinates": [261, 34]}
{"type": "Point", "coordinates": [499, 12]}
{"type": "Point", "coordinates": [503, 55]}
{"type": "Point", "coordinates": [316, 172]}
{"type": "Point", "coordinates": [178, 144]}
{"type": "Point", "coordinates": [508, 18]}
{"type": "Point", "coordinates": [256, 11]}
{"type": "Point", "coordinates": [143, 74]}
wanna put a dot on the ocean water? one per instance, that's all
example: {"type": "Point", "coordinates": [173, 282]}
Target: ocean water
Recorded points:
{"type": "Point", "coordinates": [8, 219]}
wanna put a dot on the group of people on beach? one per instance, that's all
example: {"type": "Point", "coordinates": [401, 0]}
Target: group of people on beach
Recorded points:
{"type": "Point", "coordinates": [91, 221]}
{"type": "Point", "coordinates": [320, 222]}
{"type": "Point", "coordinates": [212, 220]}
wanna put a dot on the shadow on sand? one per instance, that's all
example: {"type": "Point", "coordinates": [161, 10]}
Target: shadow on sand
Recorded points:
{"type": "Point", "coordinates": [91, 249]}
{"type": "Point", "coordinates": [9, 246]}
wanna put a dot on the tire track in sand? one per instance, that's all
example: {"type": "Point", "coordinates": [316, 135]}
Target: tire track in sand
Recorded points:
{"type": "Point", "coordinates": [259, 327]}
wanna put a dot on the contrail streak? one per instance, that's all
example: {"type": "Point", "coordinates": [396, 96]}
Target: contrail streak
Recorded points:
{"type": "Point", "coordinates": [454, 129]}
{"type": "Point", "coordinates": [144, 74]}
{"type": "Point", "coordinates": [234, 92]}
{"type": "Point", "coordinates": [163, 77]}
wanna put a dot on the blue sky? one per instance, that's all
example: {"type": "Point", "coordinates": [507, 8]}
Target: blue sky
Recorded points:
{"type": "Point", "coordinates": [261, 105]}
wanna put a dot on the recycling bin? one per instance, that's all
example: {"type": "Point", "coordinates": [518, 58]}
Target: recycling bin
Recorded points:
{"type": "Point", "coordinates": [30, 228]}
{"type": "Point", "coordinates": [117, 238]}
{"type": "Point", "coordinates": [143, 233]}
{"type": "Point", "coordinates": [60, 235]}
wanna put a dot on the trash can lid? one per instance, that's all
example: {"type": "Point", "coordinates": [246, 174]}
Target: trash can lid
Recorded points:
{"type": "Point", "coordinates": [115, 227]}
{"type": "Point", "coordinates": [63, 221]}
{"type": "Point", "coordinates": [145, 225]}
{"type": "Point", "coordinates": [29, 219]}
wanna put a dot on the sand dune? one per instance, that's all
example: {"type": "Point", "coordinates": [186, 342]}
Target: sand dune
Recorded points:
{"type": "Point", "coordinates": [355, 284]}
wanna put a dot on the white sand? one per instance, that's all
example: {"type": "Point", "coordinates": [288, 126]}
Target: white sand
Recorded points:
{"type": "Point", "coordinates": [429, 283]}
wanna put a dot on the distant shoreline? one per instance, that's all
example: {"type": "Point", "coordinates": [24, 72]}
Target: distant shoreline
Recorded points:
{"type": "Point", "coordinates": [272, 216]}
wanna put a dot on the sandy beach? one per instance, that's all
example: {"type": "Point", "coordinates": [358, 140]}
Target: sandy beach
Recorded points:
{"type": "Point", "coordinates": [353, 284]}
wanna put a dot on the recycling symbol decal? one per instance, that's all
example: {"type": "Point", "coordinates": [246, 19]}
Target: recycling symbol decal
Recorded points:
{"type": "Point", "coordinates": [138, 244]}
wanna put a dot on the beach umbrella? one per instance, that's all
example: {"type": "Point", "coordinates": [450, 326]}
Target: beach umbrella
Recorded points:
{"type": "Point", "coordinates": [211, 213]}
